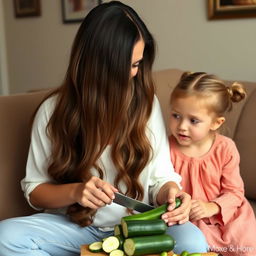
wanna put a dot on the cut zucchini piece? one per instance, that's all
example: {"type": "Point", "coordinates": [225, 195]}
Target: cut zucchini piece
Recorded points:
{"type": "Point", "coordinates": [121, 241]}
{"type": "Point", "coordinates": [110, 243]}
{"type": "Point", "coordinates": [148, 245]}
{"type": "Point", "coordinates": [177, 202]}
{"type": "Point", "coordinates": [117, 252]}
{"type": "Point", "coordinates": [117, 229]}
{"type": "Point", "coordinates": [95, 247]}
{"type": "Point", "coordinates": [184, 253]}
{"type": "Point", "coordinates": [133, 228]}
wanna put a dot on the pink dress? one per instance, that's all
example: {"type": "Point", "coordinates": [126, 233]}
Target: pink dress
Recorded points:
{"type": "Point", "coordinates": [216, 177]}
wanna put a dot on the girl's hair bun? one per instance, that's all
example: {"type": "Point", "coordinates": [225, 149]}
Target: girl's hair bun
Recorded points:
{"type": "Point", "coordinates": [236, 92]}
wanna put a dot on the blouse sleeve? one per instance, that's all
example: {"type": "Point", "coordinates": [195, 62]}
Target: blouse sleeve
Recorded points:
{"type": "Point", "coordinates": [39, 152]}
{"type": "Point", "coordinates": [162, 170]}
{"type": "Point", "coordinates": [232, 186]}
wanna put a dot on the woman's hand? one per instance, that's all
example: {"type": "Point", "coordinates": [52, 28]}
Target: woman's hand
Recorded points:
{"type": "Point", "coordinates": [179, 215]}
{"type": "Point", "coordinates": [201, 209]}
{"type": "Point", "coordinates": [168, 193]}
{"type": "Point", "coordinates": [94, 193]}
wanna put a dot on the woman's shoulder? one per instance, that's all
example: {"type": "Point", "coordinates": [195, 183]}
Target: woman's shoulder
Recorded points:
{"type": "Point", "coordinates": [46, 108]}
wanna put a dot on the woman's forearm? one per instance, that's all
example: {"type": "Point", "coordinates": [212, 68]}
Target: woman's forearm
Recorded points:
{"type": "Point", "coordinates": [54, 196]}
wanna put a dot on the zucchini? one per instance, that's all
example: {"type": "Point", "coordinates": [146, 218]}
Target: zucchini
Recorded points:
{"type": "Point", "coordinates": [110, 243]}
{"type": "Point", "coordinates": [95, 247]}
{"type": "Point", "coordinates": [133, 228]}
{"type": "Point", "coordinates": [148, 245]}
{"type": "Point", "coordinates": [184, 253]}
{"type": "Point", "coordinates": [121, 241]}
{"type": "Point", "coordinates": [117, 229]}
{"type": "Point", "coordinates": [152, 214]}
{"type": "Point", "coordinates": [117, 252]}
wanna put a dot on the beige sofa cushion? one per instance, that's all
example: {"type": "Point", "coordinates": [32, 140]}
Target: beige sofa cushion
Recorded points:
{"type": "Point", "coordinates": [245, 138]}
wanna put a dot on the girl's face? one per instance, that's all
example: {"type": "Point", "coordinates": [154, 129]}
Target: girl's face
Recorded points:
{"type": "Point", "coordinates": [137, 57]}
{"type": "Point", "coordinates": [191, 122]}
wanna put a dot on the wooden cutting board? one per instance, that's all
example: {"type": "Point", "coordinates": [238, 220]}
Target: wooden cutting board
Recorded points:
{"type": "Point", "coordinates": [85, 252]}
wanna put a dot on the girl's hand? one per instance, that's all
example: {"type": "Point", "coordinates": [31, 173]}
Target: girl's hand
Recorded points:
{"type": "Point", "coordinates": [201, 209]}
{"type": "Point", "coordinates": [179, 215]}
{"type": "Point", "coordinates": [94, 193]}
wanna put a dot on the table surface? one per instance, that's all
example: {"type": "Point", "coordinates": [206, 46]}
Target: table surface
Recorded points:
{"type": "Point", "coordinates": [85, 252]}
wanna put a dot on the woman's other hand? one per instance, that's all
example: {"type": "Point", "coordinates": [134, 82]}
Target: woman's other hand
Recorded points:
{"type": "Point", "coordinates": [178, 215]}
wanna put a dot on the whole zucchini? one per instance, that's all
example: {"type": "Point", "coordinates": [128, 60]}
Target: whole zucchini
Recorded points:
{"type": "Point", "coordinates": [152, 214]}
{"type": "Point", "coordinates": [148, 245]}
{"type": "Point", "coordinates": [133, 228]}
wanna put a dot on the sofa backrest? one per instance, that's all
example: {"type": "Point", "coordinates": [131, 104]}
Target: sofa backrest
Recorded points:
{"type": "Point", "coordinates": [240, 123]}
{"type": "Point", "coordinates": [15, 114]}
{"type": "Point", "coordinates": [15, 117]}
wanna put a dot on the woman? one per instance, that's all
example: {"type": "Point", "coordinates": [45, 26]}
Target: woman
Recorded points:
{"type": "Point", "coordinates": [100, 132]}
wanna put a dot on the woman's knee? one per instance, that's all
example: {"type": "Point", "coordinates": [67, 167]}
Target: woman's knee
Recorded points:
{"type": "Point", "coordinates": [10, 233]}
{"type": "Point", "coordinates": [188, 237]}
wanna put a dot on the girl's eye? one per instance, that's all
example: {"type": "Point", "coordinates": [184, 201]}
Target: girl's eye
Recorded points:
{"type": "Point", "coordinates": [194, 121]}
{"type": "Point", "coordinates": [176, 116]}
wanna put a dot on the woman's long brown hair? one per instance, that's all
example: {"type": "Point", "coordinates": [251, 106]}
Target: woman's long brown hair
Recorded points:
{"type": "Point", "coordinates": [98, 104]}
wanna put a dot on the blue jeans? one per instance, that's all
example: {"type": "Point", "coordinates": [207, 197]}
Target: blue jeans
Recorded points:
{"type": "Point", "coordinates": [46, 234]}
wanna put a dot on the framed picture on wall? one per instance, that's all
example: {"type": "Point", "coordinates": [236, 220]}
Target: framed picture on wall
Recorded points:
{"type": "Point", "coordinates": [76, 10]}
{"type": "Point", "coordinates": [230, 9]}
{"type": "Point", "coordinates": [26, 8]}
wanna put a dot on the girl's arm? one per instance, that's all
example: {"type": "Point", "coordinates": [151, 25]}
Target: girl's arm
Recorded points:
{"type": "Point", "coordinates": [232, 188]}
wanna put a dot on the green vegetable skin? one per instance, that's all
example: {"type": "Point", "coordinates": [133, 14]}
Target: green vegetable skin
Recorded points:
{"type": "Point", "coordinates": [148, 244]}
{"type": "Point", "coordinates": [184, 253]}
{"type": "Point", "coordinates": [133, 228]}
{"type": "Point", "coordinates": [152, 214]}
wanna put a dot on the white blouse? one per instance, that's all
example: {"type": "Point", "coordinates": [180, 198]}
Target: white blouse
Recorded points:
{"type": "Point", "coordinates": [157, 172]}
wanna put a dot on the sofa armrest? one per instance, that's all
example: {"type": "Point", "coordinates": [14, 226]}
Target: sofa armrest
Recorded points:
{"type": "Point", "coordinates": [16, 113]}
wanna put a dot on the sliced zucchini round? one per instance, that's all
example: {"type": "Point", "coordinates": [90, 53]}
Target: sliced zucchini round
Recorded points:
{"type": "Point", "coordinates": [110, 243]}
{"type": "Point", "coordinates": [95, 247]}
{"type": "Point", "coordinates": [117, 229]}
{"type": "Point", "coordinates": [117, 252]}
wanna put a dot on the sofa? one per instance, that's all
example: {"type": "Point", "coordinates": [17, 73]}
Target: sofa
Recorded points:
{"type": "Point", "coordinates": [16, 113]}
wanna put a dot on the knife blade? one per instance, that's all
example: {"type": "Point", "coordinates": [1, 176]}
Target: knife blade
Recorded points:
{"type": "Point", "coordinates": [131, 203]}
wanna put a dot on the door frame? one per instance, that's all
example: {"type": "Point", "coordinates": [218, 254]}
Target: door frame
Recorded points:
{"type": "Point", "coordinates": [4, 77]}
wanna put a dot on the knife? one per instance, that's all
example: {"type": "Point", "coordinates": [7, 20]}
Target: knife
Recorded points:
{"type": "Point", "coordinates": [131, 203]}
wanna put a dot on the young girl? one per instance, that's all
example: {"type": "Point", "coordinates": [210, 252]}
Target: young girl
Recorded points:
{"type": "Point", "coordinates": [100, 132]}
{"type": "Point", "coordinates": [209, 163]}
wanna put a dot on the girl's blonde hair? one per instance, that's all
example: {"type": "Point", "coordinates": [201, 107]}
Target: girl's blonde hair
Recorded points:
{"type": "Point", "coordinates": [206, 85]}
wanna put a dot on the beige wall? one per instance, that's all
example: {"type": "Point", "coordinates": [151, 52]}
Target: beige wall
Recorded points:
{"type": "Point", "coordinates": [38, 48]}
